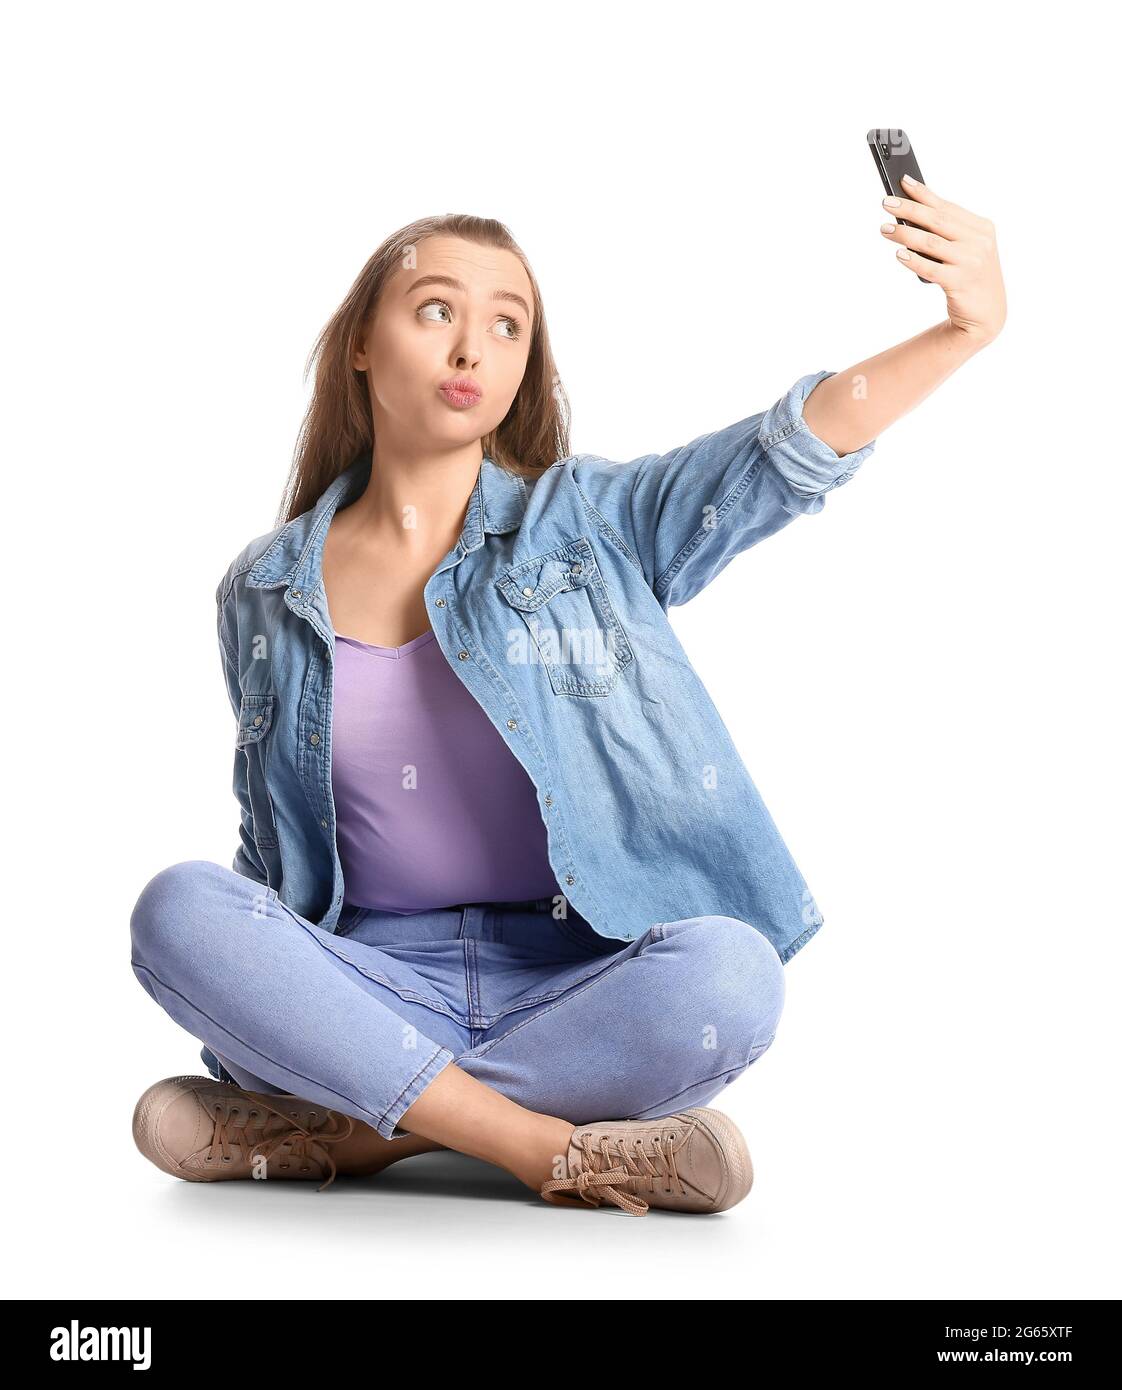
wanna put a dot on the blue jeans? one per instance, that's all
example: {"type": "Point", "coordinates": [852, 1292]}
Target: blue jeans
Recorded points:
{"type": "Point", "coordinates": [542, 1009]}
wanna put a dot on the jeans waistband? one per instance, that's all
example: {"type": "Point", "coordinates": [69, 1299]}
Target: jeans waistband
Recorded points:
{"type": "Point", "coordinates": [523, 919]}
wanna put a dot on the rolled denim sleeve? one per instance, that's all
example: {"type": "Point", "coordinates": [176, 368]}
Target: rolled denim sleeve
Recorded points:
{"type": "Point", "coordinates": [808, 466]}
{"type": "Point", "coordinates": [683, 516]}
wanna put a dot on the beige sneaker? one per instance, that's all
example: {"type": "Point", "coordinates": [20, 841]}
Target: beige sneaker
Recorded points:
{"type": "Point", "coordinates": [204, 1130]}
{"type": "Point", "coordinates": [695, 1161]}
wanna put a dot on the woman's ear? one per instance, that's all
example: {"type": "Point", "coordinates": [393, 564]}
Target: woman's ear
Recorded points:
{"type": "Point", "coordinates": [358, 356]}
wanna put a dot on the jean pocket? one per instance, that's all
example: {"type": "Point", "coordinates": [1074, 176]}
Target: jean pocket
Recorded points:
{"type": "Point", "coordinates": [349, 918]}
{"type": "Point", "coordinates": [581, 934]}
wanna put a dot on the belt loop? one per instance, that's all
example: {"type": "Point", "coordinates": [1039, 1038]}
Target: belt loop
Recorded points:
{"type": "Point", "coordinates": [473, 918]}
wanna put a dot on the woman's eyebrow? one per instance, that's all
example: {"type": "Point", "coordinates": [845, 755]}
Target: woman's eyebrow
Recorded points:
{"type": "Point", "coordinates": [459, 285]}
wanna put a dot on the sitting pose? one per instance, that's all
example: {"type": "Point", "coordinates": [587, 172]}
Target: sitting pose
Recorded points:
{"type": "Point", "coordinates": [503, 884]}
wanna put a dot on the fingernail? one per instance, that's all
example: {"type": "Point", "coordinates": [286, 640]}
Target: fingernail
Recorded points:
{"type": "Point", "coordinates": [891, 202]}
{"type": "Point", "coordinates": [904, 253]}
{"type": "Point", "coordinates": [888, 226]}
{"type": "Point", "coordinates": [908, 178]}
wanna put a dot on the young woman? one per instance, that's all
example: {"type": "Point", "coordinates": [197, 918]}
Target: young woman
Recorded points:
{"type": "Point", "coordinates": [503, 883]}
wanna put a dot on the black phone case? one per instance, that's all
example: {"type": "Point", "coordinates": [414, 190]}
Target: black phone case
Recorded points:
{"type": "Point", "coordinates": [893, 155]}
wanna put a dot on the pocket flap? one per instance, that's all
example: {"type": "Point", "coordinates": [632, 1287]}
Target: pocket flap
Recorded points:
{"type": "Point", "coordinates": [533, 582]}
{"type": "Point", "coordinates": [255, 717]}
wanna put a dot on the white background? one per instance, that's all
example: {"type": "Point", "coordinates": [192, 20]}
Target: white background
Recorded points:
{"type": "Point", "coordinates": [920, 678]}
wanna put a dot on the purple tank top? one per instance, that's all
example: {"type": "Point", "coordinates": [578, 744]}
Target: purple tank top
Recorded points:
{"type": "Point", "coordinates": [432, 807]}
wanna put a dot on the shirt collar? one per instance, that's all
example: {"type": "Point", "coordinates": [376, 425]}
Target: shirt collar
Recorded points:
{"type": "Point", "coordinates": [497, 504]}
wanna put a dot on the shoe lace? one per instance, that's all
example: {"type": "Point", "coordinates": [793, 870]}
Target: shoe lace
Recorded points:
{"type": "Point", "coordinates": [613, 1169]}
{"type": "Point", "coordinates": [306, 1142]}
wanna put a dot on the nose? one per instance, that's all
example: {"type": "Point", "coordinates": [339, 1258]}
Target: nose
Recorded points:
{"type": "Point", "coordinates": [468, 353]}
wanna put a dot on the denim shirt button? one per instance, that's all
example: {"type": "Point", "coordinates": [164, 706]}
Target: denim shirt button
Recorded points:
{"type": "Point", "coordinates": [512, 723]}
{"type": "Point", "coordinates": [297, 593]}
{"type": "Point", "coordinates": [549, 801]}
{"type": "Point", "coordinates": [324, 824]}
{"type": "Point", "coordinates": [569, 878]}
{"type": "Point", "coordinates": [314, 739]}
{"type": "Point", "coordinates": [440, 603]}
{"type": "Point", "coordinates": [528, 592]}
{"type": "Point", "coordinates": [258, 720]}
{"type": "Point", "coordinates": [462, 655]}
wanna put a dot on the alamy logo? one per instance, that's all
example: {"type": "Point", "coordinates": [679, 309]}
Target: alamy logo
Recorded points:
{"type": "Point", "coordinates": [589, 647]}
{"type": "Point", "coordinates": [77, 1343]}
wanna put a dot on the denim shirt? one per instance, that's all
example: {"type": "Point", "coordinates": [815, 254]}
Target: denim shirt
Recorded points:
{"type": "Point", "coordinates": [552, 610]}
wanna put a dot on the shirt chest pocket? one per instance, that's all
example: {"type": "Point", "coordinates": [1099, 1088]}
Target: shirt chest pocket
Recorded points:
{"type": "Point", "coordinates": [255, 721]}
{"type": "Point", "coordinates": [570, 627]}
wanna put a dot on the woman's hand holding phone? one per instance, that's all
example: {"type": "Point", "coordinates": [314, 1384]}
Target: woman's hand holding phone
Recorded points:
{"type": "Point", "coordinates": [964, 246]}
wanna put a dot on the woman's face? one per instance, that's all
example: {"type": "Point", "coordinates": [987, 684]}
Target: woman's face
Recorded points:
{"type": "Point", "coordinates": [462, 311]}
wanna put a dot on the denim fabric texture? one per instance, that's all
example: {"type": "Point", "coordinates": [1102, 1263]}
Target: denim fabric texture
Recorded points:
{"type": "Point", "coordinates": [552, 608]}
{"type": "Point", "coordinates": [534, 1004]}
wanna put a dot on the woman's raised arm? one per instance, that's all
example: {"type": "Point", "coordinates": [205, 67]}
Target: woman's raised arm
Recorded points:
{"type": "Point", "coordinates": [858, 404]}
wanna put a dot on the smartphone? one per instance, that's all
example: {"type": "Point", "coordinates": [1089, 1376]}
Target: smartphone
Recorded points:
{"type": "Point", "coordinates": [892, 151]}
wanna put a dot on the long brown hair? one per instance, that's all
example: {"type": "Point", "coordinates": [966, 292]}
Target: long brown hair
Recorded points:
{"type": "Point", "coordinates": [338, 426]}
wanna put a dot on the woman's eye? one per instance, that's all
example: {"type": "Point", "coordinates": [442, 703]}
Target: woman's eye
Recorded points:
{"type": "Point", "coordinates": [433, 304]}
{"type": "Point", "coordinates": [515, 328]}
